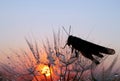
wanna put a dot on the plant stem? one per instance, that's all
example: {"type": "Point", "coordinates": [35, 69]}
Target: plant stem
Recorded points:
{"type": "Point", "coordinates": [45, 77]}
{"type": "Point", "coordinates": [68, 75]}
{"type": "Point", "coordinates": [65, 72]}
{"type": "Point", "coordinates": [50, 73]}
{"type": "Point", "coordinates": [35, 77]}
{"type": "Point", "coordinates": [75, 76]}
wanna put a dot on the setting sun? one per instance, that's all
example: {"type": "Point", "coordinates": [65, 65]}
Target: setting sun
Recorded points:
{"type": "Point", "coordinates": [45, 70]}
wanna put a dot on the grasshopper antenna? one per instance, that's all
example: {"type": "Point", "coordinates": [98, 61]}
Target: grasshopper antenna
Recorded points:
{"type": "Point", "coordinates": [65, 30]}
{"type": "Point", "coordinates": [67, 33]}
{"type": "Point", "coordinates": [69, 29]}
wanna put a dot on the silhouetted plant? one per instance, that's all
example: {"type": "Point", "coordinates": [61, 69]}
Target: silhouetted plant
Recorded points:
{"type": "Point", "coordinates": [23, 65]}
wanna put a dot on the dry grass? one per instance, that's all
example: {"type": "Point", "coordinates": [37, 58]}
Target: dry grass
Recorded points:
{"type": "Point", "coordinates": [22, 65]}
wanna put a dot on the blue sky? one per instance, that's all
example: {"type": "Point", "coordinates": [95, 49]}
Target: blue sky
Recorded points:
{"type": "Point", "coordinates": [98, 19]}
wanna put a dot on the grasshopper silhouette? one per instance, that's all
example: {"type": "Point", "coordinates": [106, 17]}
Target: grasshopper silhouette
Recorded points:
{"type": "Point", "coordinates": [87, 48]}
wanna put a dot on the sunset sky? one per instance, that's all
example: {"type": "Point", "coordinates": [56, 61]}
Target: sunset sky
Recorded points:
{"type": "Point", "coordinates": [94, 20]}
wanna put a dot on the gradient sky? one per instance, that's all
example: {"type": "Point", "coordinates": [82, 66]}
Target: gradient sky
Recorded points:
{"type": "Point", "coordinates": [94, 20]}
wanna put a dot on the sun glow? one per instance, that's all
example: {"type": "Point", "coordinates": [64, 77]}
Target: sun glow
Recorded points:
{"type": "Point", "coordinates": [45, 70]}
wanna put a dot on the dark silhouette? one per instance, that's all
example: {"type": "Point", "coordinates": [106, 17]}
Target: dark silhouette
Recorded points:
{"type": "Point", "coordinates": [88, 49]}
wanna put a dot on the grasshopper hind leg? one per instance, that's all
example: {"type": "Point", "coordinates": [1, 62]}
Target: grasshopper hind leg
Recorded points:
{"type": "Point", "coordinates": [99, 55]}
{"type": "Point", "coordinates": [89, 56]}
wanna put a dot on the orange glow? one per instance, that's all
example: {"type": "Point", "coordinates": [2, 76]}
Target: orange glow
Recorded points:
{"type": "Point", "coordinates": [45, 70]}
{"type": "Point", "coordinates": [44, 73]}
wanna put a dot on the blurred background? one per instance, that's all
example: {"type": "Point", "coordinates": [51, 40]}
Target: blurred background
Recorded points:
{"type": "Point", "coordinates": [95, 21]}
